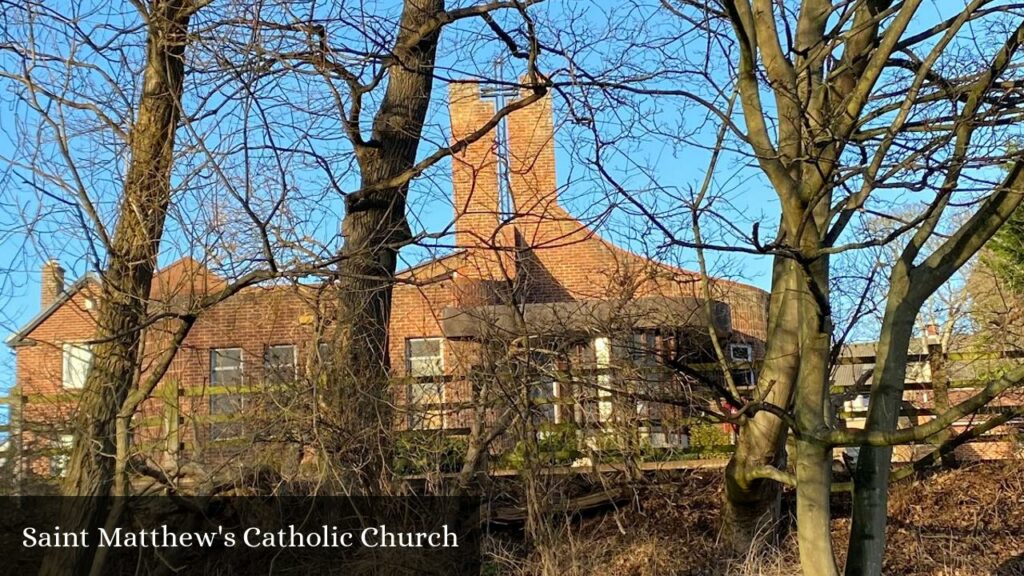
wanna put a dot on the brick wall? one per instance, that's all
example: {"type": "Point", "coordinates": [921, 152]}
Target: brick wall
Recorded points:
{"type": "Point", "coordinates": [251, 320]}
{"type": "Point", "coordinates": [543, 254]}
{"type": "Point", "coordinates": [558, 258]}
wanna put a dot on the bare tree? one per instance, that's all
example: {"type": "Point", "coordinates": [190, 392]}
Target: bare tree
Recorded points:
{"type": "Point", "coordinates": [131, 248]}
{"type": "Point", "coordinates": [846, 109]}
{"type": "Point", "coordinates": [375, 225]}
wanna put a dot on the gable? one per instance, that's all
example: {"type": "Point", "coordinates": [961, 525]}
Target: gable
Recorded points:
{"type": "Point", "coordinates": [75, 300]}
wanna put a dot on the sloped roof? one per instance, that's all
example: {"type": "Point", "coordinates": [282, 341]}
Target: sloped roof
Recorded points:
{"type": "Point", "coordinates": [433, 267]}
{"type": "Point", "coordinates": [582, 316]}
{"type": "Point", "coordinates": [183, 278]}
{"type": "Point", "coordinates": [20, 338]}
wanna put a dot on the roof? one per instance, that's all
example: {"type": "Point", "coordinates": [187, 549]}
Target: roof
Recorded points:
{"type": "Point", "coordinates": [20, 338]}
{"type": "Point", "coordinates": [967, 357]}
{"type": "Point", "coordinates": [183, 275]}
{"type": "Point", "coordinates": [412, 271]}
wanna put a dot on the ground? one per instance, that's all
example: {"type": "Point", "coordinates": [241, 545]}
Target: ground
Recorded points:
{"type": "Point", "coordinates": [963, 522]}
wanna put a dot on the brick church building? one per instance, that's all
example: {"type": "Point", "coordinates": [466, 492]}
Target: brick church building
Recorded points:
{"type": "Point", "coordinates": [525, 275]}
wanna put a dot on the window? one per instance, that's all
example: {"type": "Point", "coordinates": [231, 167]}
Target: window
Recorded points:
{"type": "Point", "coordinates": [77, 361]}
{"type": "Point", "coordinates": [544, 395]}
{"type": "Point", "coordinates": [642, 350]}
{"type": "Point", "coordinates": [279, 363]}
{"type": "Point", "coordinates": [425, 363]}
{"type": "Point", "coordinates": [323, 352]}
{"type": "Point", "coordinates": [425, 357]}
{"type": "Point", "coordinates": [225, 371]}
{"type": "Point", "coordinates": [647, 367]}
{"type": "Point", "coordinates": [744, 378]}
{"type": "Point", "coordinates": [225, 408]}
{"type": "Point", "coordinates": [425, 401]}
{"type": "Point", "coordinates": [62, 455]}
{"type": "Point", "coordinates": [544, 390]}
{"type": "Point", "coordinates": [226, 367]}
{"type": "Point", "coordinates": [602, 358]}
{"type": "Point", "coordinates": [643, 365]}
{"type": "Point", "coordinates": [741, 352]}
{"type": "Point", "coordinates": [623, 362]}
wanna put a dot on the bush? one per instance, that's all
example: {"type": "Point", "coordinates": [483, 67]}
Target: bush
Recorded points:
{"type": "Point", "coordinates": [556, 444]}
{"type": "Point", "coordinates": [709, 438]}
{"type": "Point", "coordinates": [421, 452]}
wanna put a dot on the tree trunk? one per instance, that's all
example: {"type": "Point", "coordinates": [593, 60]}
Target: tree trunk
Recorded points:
{"type": "Point", "coordinates": [814, 457]}
{"type": "Point", "coordinates": [751, 508]}
{"type": "Point", "coordinates": [940, 390]}
{"type": "Point", "coordinates": [909, 286]}
{"type": "Point", "coordinates": [871, 478]}
{"type": "Point", "coordinates": [374, 228]}
{"type": "Point", "coordinates": [126, 285]}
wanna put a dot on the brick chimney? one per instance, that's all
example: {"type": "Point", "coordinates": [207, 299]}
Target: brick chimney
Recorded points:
{"type": "Point", "coordinates": [475, 187]}
{"type": "Point", "coordinates": [52, 283]}
{"type": "Point", "coordinates": [539, 218]}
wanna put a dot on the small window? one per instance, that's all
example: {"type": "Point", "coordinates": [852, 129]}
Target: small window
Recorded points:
{"type": "Point", "coordinates": [644, 362]}
{"type": "Point", "coordinates": [62, 455]}
{"type": "Point", "coordinates": [226, 366]}
{"type": "Point", "coordinates": [221, 404]}
{"type": "Point", "coordinates": [544, 389]}
{"type": "Point", "coordinates": [279, 363]}
{"type": "Point", "coordinates": [425, 362]}
{"type": "Point", "coordinates": [744, 378]}
{"type": "Point", "coordinates": [425, 356]}
{"type": "Point", "coordinates": [426, 405]}
{"type": "Point", "coordinates": [642, 350]}
{"type": "Point", "coordinates": [544, 397]}
{"type": "Point", "coordinates": [323, 351]}
{"type": "Point", "coordinates": [77, 361]}
{"type": "Point", "coordinates": [741, 352]}
{"type": "Point", "coordinates": [225, 410]}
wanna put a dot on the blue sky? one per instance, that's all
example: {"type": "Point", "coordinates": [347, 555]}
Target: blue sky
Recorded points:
{"type": "Point", "coordinates": [52, 234]}
{"type": "Point", "coordinates": [659, 153]}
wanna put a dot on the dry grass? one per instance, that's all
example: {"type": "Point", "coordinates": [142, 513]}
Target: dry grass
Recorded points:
{"type": "Point", "coordinates": [966, 522]}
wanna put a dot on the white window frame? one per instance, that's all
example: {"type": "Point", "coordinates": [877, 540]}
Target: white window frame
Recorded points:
{"type": "Point", "coordinates": [426, 414]}
{"type": "Point", "coordinates": [603, 362]}
{"type": "Point", "coordinates": [322, 353]}
{"type": "Point", "coordinates": [241, 381]}
{"type": "Point", "coordinates": [423, 380]}
{"type": "Point", "coordinates": [554, 400]}
{"type": "Point", "coordinates": [741, 346]}
{"type": "Point", "coordinates": [541, 381]}
{"type": "Point", "coordinates": [751, 378]}
{"type": "Point", "coordinates": [241, 364]}
{"type": "Point", "coordinates": [409, 357]}
{"type": "Point", "coordinates": [69, 351]}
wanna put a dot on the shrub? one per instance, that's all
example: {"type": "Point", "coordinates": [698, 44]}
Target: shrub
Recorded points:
{"type": "Point", "coordinates": [709, 438]}
{"type": "Point", "coordinates": [556, 444]}
{"type": "Point", "coordinates": [419, 452]}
